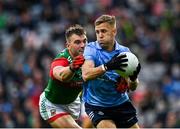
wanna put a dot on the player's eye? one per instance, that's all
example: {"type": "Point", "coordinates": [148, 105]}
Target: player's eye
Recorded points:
{"type": "Point", "coordinates": [103, 31]}
{"type": "Point", "coordinates": [97, 31]}
{"type": "Point", "coordinates": [85, 41]}
{"type": "Point", "coordinates": [77, 42]}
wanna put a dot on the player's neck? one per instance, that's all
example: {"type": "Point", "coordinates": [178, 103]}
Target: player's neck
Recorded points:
{"type": "Point", "coordinates": [71, 53]}
{"type": "Point", "coordinates": [111, 48]}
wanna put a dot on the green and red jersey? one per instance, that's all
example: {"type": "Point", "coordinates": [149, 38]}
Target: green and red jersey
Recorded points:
{"type": "Point", "coordinates": [63, 92]}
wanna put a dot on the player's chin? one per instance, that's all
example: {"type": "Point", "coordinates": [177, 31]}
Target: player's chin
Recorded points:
{"type": "Point", "coordinates": [81, 52]}
{"type": "Point", "coordinates": [104, 46]}
{"type": "Point", "coordinates": [101, 44]}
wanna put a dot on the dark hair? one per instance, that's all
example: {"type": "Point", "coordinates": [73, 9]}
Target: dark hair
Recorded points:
{"type": "Point", "coordinates": [105, 19]}
{"type": "Point", "coordinates": [74, 29]}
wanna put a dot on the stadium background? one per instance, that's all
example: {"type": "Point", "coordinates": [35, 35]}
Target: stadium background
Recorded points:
{"type": "Point", "coordinates": [32, 33]}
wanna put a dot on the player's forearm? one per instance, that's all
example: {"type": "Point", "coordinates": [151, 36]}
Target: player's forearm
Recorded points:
{"type": "Point", "coordinates": [91, 73]}
{"type": "Point", "coordinates": [63, 74]}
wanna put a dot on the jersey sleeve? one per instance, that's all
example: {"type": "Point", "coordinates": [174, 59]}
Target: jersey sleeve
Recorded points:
{"type": "Point", "coordinates": [89, 53]}
{"type": "Point", "coordinates": [58, 62]}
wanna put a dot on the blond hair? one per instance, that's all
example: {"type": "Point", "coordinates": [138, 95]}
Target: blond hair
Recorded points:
{"type": "Point", "coordinates": [111, 20]}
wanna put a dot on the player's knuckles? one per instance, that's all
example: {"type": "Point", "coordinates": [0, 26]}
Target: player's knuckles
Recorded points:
{"type": "Point", "coordinates": [78, 62]}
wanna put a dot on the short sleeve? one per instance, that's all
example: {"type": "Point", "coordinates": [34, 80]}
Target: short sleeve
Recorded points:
{"type": "Point", "coordinates": [89, 53]}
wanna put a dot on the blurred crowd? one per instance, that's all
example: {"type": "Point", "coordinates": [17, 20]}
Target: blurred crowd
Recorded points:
{"type": "Point", "coordinates": [32, 33]}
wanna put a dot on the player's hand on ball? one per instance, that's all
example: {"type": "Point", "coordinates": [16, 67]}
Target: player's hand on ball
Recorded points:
{"type": "Point", "coordinates": [135, 73]}
{"type": "Point", "coordinates": [77, 63]}
{"type": "Point", "coordinates": [116, 63]}
{"type": "Point", "coordinates": [122, 85]}
{"type": "Point", "coordinates": [133, 85]}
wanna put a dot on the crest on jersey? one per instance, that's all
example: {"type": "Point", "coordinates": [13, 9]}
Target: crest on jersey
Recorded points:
{"type": "Point", "coordinates": [53, 112]}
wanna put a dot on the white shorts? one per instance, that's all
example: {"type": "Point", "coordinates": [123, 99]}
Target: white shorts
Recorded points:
{"type": "Point", "coordinates": [48, 110]}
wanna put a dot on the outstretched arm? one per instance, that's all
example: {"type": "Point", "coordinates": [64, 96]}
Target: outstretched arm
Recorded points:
{"type": "Point", "coordinates": [63, 74]}
{"type": "Point", "coordinates": [63, 71]}
{"type": "Point", "coordinates": [89, 71]}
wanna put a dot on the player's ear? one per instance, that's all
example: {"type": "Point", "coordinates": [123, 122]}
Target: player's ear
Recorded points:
{"type": "Point", "coordinates": [114, 31]}
{"type": "Point", "coordinates": [67, 44]}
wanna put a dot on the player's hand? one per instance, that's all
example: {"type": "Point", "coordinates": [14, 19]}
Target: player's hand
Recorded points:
{"type": "Point", "coordinates": [122, 85]}
{"type": "Point", "coordinates": [116, 63]}
{"type": "Point", "coordinates": [135, 73]}
{"type": "Point", "coordinates": [77, 63]}
{"type": "Point", "coordinates": [133, 85]}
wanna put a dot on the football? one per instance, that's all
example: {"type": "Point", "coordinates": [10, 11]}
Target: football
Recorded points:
{"type": "Point", "coordinates": [132, 65]}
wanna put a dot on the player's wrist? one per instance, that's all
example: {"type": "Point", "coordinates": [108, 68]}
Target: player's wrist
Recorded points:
{"type": "Point", "coordinates": [71, 69]}
{"type": "Point", "coordinates": [104, 68]}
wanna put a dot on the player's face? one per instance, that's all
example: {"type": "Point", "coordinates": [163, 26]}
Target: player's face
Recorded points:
{"type": "Point", "coordinates": [76, 44]}
{"type": "Point", "coordinates": [105, 34]}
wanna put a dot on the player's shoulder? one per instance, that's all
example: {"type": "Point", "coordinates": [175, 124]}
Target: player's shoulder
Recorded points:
{"type": "Point", "coordinates": [64, 53]}
{"type": "Point", "coordinates": [91, 44]}
{"type": "Point", "coordinates": [121, 48]}
{"type": "Point", "coordinates": [94, 45]}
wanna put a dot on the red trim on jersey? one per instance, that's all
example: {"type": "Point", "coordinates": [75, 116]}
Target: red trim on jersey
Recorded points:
{"type": "Point", "coordinates": [58, 62]}
{"type": "Point", "coordinates": [57, 116]}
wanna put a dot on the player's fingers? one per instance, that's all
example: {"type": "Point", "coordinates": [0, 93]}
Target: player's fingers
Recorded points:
{"type": "Point", "coordinates": [121, 69]}
{"type": "Point", "coordinates": [78, 63]}
{"type": "Point", "coordinates": [123, 65]}
{"type": "Point", "coordinates": [122, 56]}
{"type": "Point", "coordinates": [123, 60]}
{"type": "Point", "coordinates": [79, 60]}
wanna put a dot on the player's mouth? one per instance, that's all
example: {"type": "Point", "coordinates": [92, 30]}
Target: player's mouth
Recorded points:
{"type": "Point", "coordinates": [101, 41]}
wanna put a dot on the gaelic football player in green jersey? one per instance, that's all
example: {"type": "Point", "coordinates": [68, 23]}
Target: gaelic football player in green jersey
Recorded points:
{"type": "Point", "coordinates": [60, 102]}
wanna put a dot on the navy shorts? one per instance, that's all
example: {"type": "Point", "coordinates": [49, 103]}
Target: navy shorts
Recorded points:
{"type": "Point", "coordinates": [123, 115]}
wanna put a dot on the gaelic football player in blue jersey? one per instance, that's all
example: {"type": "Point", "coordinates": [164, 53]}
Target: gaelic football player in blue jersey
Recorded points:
{"type": "Point", "coordinates": [104, 91]}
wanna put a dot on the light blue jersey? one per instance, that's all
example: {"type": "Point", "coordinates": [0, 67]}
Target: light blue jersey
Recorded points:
{"type": "Point", "coordinates": [102, 90]}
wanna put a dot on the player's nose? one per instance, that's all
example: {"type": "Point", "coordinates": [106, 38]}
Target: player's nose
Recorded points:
{"type": "Point", "coordinates": [83, 44]}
